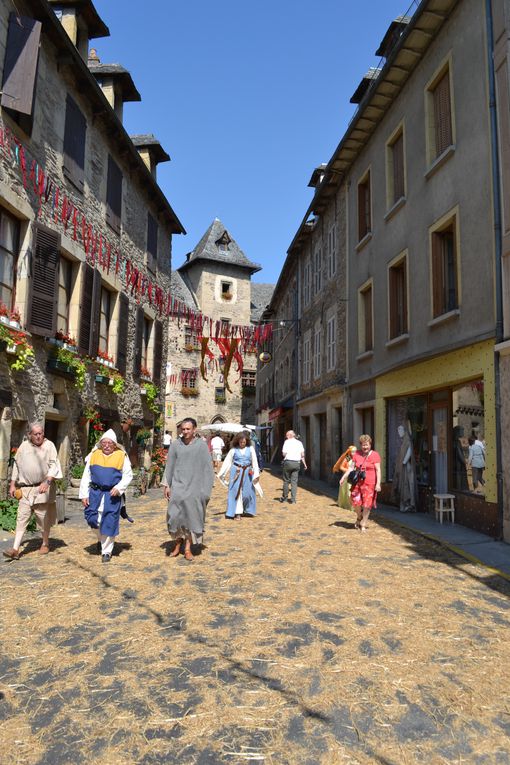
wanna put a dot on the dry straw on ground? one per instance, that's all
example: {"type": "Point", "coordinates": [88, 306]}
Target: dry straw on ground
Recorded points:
{"type": "Point", "coordinates": [292, 638]}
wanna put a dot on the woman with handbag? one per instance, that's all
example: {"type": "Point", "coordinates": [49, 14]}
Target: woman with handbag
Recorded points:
{"type": "Point", "coordinates": [344, 464]}
{"type": "Point", "coordinates": [365, 481]}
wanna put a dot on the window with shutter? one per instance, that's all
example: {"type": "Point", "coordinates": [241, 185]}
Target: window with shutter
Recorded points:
{"type": "Point", "coordinates": [9, 248]}
{"type": "Point", "coordinates": [364, 205]}
{"type": "Point", "coordinates": [158, 352]}
{"type": "Point", "coordinates": [74, 144]}
{"type": "Point", "coordinates": [114, 195]}
{"type": "Point", "coordinates": [398, 299]}
{"type": "Point", "coordinates": [44, 283]}
{"type": "Point", "coordinates": [442, 114]}
{"type": "Point", "coordinates": [365, 322]}
{"type": "Point", "coordinates": [152, 242]}
{"type": "Point", "coordinates": [397, 156]}
{"type": "Point", "coordinates": [137, 363]}
{"type": "Point", "coordinates": [89, 310]}
{"type": "Point", "coordinates": [122, 334]}
{"type": "Point", "coordinates": [20, 64]}
{"type": "Point", "coordinates": [444, 270]}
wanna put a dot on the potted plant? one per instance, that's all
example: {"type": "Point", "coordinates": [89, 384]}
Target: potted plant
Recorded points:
{"type": "Point", "coordinates": [102, 376]}
{"type": "Point", "coordinates": [151, 392]}
{"type": "Point", "coordinates": [17, 345]}
{"type": "Point", "coordinates": [68, 364]}
{"type": "Point", "coordinates": [75, 474]}
{"type": "Point", "coordinates": [143, 436]}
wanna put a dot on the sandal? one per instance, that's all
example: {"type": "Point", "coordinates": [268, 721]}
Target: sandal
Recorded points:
{"type": "Point", "coordinates": [188, 555]}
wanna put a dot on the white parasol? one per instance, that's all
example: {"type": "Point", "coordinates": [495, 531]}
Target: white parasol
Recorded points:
{"type": "Point", "coordinates": [223, 427]}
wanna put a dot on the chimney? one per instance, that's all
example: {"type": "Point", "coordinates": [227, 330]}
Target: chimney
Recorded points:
{"type": "Point", "coordinates": [81, 22]}
{"type": "Point", "coordinates": [151, 151]}
{"type": "Point", "coordinates": [115, 82]}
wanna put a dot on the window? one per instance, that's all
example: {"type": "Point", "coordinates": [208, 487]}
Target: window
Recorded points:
{"type": "Point", "coordinates": [225, 327]}
{"type": "Point", "coordinates": [397, 286]}
{"type": "Point", "coordinates": [20, 68]}
{"type": "Point", "coordinates": [122, 333]}
{"type": "Point", "coordinates": [114, 195]}
{"type": "Point", "coordinates": [146, 341]}
{"type": "Point", "coordinates": [157, 352]}
{"type": "Point", "coordinates": [306, 358]}
{"type": "Point", "coordinates": [226, 290]}
{"type": "Point", "coordinates": [365, 319]}
{"type": "Point", "coordinates": [74, 144]}
{"type": "Point", "coordinates": [249, 379]}
{"type": "Point", "coordinates": [189, 378]}
{"type": "Point", "coordinates": [439, 114]}
{"type": "Point", "coordinates": [307, 282]}
{"type": "Point", "coordinates": [332, 251]}
{"type": "Point", "coordinates": [219, 395]}
{"type": "Point", "coordinates": [88, 336]}
{"type": "Point", "coordinates": [42, 310]}
{"type": "Point", "coordinates": [152, 242]}
{"type": "Point", "coordinates": [317, 270]}
{"type": "Point", "coordinates": [317, 352]}
{"type": "Point", "coordinates": [105, 317]}
{"type": "Point", "coordinates": [395, 171]}
{"type": "Point", "coordinates": [65, 282]}
{"type": "Point", "coordinates": [331, 344]}
{"type": "Point", "coordinates": [9, 244]}
{"type": "Point", "coordinates": [444, 269]}
{"type": "Point", "coordinates": [191, 338]}
{"type": "Point", "coordinates": [364, 207]}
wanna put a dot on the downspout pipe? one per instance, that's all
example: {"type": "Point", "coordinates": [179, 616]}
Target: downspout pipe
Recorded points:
{"type": "Point", "coordinates": [498, 251]}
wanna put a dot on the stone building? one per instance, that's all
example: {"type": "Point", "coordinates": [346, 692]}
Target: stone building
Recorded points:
{"type": "Point", "coordinates": [214, 281]}
{"type": "Point", "coordinates": [415, 241]}
{"type": "Point", "coordinates": [85, 238]}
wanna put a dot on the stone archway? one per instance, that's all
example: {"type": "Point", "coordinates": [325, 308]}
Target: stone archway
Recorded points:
{"type": "Point", "coordinates": [218, 418]}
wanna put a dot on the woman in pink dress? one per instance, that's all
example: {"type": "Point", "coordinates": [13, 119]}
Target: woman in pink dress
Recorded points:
{"type": "Point", "coordinates": [364, 492]}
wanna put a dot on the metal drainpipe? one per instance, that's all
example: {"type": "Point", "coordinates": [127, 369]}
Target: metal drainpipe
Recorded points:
{"type": "Point", "coordinates": [498, 247]}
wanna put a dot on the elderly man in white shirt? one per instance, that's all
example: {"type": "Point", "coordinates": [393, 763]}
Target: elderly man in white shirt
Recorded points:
{"type": "Point", "coordinates": [293, 455]}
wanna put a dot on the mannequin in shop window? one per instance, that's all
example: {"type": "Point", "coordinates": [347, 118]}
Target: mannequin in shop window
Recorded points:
{"type": "Point", "coordinates": [460, 453]}
{"type": "Point", "coordinates": [405, 488]}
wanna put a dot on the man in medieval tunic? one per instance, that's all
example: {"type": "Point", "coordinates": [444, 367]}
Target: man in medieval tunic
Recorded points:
{"type": "Point", "coordinates": [106, 477]}
{"type": "Point", "coordinates": [188, 482]}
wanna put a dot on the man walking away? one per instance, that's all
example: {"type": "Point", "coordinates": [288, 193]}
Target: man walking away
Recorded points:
{"type": "Point", "coordinates": [36, 467]}
{"type": "Point", "coordinates": [293, 455]}
{"type": "Point", "coordinates": [188, 482]}
{"type": "Point", "coordinates": [217, 446]}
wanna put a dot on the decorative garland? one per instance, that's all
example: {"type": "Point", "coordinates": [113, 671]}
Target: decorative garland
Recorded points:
{"type": "Point", "coordinates": [101, 253]}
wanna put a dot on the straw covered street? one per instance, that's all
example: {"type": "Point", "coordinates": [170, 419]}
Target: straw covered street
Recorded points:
{"type": "Point", "coordinates": [292, 638]}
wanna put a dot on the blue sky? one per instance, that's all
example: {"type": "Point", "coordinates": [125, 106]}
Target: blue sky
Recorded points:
{"type": "Point", "coordinates": [247, 98]}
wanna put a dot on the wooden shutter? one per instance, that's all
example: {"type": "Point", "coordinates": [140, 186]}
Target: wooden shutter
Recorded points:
{"type": "Point", "coordinates": [137, 365]}
{"type": "Point", "coordinates": [44, 283]}
{"type": "Point", "coordinates": [158, 352]}
{"type": "Point", "coordinates": [74, 143]}
{"type": "Point", "coordinates": [89, 314]}
{"type": "Point", "coordinates": [398, 168]}
{"type": "Point", "coordinates": [442, 114]}
{"type": "Point", "coordinates": [122, 334]}
{"type": "Point", "coordinates": [114, 195]}
{"type": "Point", "coordinates": [20, 64]}
{"type": "Point", "coordinates": [152, 242]}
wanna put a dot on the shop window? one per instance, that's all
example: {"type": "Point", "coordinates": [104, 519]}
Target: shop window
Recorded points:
{"type": "Point", "coordinates": [397, 286]}
{"type": "Point", "coordinates": [468, 433]}
{"type": "Point", "coordinates": [364, 207]}
{"type": "Point", "coordinates": [9, 245]}
{"type": "Point", "coordinates": [411, 412]}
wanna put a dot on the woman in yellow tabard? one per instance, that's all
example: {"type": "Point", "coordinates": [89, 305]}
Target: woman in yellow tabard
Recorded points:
{"type": "Point", "coordinates": [344, 464]}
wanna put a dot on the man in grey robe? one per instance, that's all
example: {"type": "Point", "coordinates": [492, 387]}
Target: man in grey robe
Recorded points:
{"type": "Point", "coordinates": [188, 483]}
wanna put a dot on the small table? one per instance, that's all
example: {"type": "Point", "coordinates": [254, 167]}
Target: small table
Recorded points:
{"type": "Point", "coordinates": [444, 503]}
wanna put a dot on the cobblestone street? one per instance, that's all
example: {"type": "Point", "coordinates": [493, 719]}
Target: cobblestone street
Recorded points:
{"type": "Point", "coordinates": [292, 638]}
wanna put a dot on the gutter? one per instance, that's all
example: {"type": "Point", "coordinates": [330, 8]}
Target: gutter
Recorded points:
{"type": "Point", "coordinates": [498, 249]}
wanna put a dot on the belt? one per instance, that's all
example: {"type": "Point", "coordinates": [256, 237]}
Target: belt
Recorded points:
{"type": "Point", "coordinates": [101, 488]}
{"type": "Point", "coordinates": [29, 485]}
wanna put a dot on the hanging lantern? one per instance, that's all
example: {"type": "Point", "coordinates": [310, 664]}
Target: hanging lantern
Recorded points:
{"type": "Point", "coordinates": [265, 357]}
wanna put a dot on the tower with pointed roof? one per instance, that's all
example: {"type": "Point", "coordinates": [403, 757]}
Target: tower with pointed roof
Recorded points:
{"type": "Point", "coordinates": [214, 280]}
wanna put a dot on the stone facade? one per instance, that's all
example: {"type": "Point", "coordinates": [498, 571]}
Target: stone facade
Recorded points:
{"type": "Point", "coordinates": [122, 318]}
{"type": "Point", "coordinates": [217, 284]}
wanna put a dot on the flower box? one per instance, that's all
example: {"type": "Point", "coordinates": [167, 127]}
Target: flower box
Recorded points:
{"type": "Point", "coordinates": [103, 380]}
{"type": "Point", "coordinates": [105, 362]}
{"type": "Point", "coordinates": [143, 378]}
{"type": "Point", "coordinates": [10, 322]}
{"type": "Point", "coordinates": [60, 368]}
{"type": "Point", "coordinates": [190, 391]}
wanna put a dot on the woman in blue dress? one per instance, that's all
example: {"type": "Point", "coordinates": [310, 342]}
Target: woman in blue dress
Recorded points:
{"type": "Point", "coordinates": [242, 466]}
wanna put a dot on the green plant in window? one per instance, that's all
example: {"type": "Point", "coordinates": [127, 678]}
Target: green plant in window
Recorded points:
{"type": "Point", "coordinates": [151, 393]}
{"type": "Point", "coordinates": [119, 383]}
{"type": "Point", "coordinates": [77, 364]}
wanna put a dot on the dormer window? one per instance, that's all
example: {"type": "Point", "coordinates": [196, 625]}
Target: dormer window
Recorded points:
{"type": "Point", "coordinates": [223, 242]}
